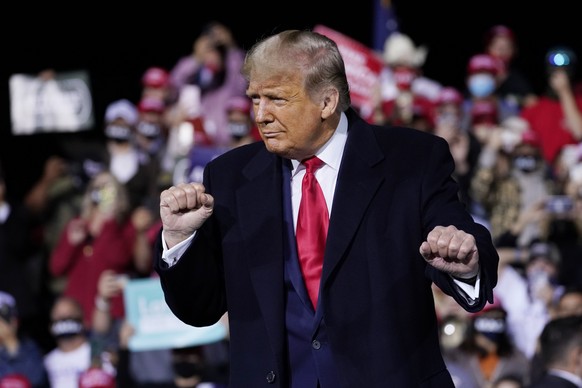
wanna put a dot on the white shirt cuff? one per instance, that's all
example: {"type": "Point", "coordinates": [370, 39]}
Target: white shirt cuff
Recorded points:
{"type": "Point", "coordinates": [471, 292]}
{"type": "Point", "coordinates": [172, 255]}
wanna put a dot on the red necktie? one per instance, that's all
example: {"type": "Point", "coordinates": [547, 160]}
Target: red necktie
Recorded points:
{"type": "Point", "coordinates": [312, 224]}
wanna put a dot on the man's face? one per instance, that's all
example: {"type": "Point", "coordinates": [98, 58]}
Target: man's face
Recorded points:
{"type": "Point", "coordinates": [289, 121]}
{"type": "Point", "coordinates": [502, 47]}
{"type": "Point", "coordinates": [404, 76]}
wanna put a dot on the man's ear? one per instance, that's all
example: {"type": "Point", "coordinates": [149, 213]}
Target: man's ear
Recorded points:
{"type": "Point", "coordinates": [329, 103]}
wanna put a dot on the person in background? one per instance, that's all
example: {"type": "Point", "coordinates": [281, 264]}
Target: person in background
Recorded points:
{"type": "Point", "coordinates": [150, 137]}
{"type": "Point", "coordinates": [556, 117]}
{"type": "Point", "coordinates": [53, 200]}
{"type": "Point", "coordinates": [568, 304]}
{"type": "Point", "coordinates": [186, 367]}
{"type": "Point", "coordinates": [191, 369]}
{"type": "Point", "coordinates": [464, 146]}
{"type": "Point", "coordinates": [151, 127]}
{"type": "Point", "coordinates": [242, 131]}
{"type": "Point", "coordinates": [563, 227]}
{"type": "Point", "coordinates": [101, 237]}
{"type": "Point", "coordinates": [560, 350]}
{"type": "Point", "coordinates": [512, 85]}
{"type": "Point", "coordinates": [240, 121]}
{"type": "Point", "coordinates": [483, 108]}
{"type": "Point", "coordinates": [19, 353]}
{"type": "Point", "coordinates": [529, 290]}
{"type": "Point", "coordinates": [73, 353]}
{"type": "Point", "coordinates": [143, 369]}
{"type": "Point", "coordinates": [155, 83]}
{"type": "Point", "coordinates": [123, 158]}
{"type": "Point", "coordinates": [510, 178]}
{"type": "Point", "coordinates": [406, 97]}
{"type": "Point", "coordinates": [214, 68]}
{"type": "Point", "coordinates": [487, 352]}
{"type": "Point", "coordinates": [396, 225]}
{"type": "Point", "coordinates": [18, 247]}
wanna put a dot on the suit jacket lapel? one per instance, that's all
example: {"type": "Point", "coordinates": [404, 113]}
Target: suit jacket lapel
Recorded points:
{"type": "Point", "coordinates": [260, 213]}
{"type": "Point", "coordinates": [361, 174]}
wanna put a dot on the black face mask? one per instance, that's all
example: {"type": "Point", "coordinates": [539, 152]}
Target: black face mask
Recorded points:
{"type": "Point", "coordinates": [187, 369]}
{"type": "Point", "coordinates": [525, 163]}
{"type": "Point", "coordinates": [66, 328]}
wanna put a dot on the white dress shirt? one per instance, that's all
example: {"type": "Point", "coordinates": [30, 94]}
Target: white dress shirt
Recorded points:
{"type": "Point", "coordinates": [331, 155]}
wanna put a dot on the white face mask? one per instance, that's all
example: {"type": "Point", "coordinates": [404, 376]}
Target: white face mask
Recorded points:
{"type": "Point", "coordinates": [66, 328]}
{"type": "Point", "coordinates": [481, 85]}
{"type": "Point", "coordinates": [124, 166]}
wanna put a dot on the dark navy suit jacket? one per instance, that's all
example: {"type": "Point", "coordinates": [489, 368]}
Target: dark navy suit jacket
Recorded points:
{"type": "Point", "coordinates": [552, 381]}
{"type": "Point", "coordinates": [394, 186]}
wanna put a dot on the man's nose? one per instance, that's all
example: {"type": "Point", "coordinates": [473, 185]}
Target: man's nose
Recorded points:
{"type": "Point", "coordinates": [262, 113]}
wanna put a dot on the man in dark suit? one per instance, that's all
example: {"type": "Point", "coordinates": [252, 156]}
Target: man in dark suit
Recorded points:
{"type": "Point", "coordinates": [560, 352]}
{"type": "Point", "coordinates": [395, 226]}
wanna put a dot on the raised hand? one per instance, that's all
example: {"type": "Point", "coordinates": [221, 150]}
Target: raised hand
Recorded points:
{"type": "Point", "coordinates": [183, 210]}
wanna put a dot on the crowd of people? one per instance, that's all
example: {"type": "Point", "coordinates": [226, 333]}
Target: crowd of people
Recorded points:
{"type": "Point", "coordinates": [518, 165]}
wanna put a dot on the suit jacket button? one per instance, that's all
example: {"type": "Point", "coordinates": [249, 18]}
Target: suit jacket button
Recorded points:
{"type": "Point", "coordinates": [316, 344]}
{"type": "Point", "coordinates": [271, 377]}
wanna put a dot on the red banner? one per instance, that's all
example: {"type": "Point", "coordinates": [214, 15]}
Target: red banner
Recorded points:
{"type": "Point", "coordinates": [363, 67]}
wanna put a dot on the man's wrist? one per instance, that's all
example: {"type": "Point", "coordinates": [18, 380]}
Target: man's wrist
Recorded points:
{"type": "Point", "coordinates": [171, 239]}
{"type": "Point", "coordinates": [101, 303]}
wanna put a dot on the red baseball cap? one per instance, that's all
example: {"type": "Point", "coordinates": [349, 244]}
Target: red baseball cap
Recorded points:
{"type": "Point", "coordinates": [155, 77]}
{"type": "Point", "coordinates": [499, 30]}
{"type": "Point", "coordinates": [483, 63]}
{"type": "Point", "coordinates": [449, 95]}
{"type": "Point", "coordinates": [15, 380]}
{"type": "Point", "coordinates": [96, 378]}
{"type": "Point", "coordinates": [530, 137]}
{"type": "Point", "coordinates": [239, 103]}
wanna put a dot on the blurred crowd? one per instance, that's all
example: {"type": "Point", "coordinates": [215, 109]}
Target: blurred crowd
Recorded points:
{"type": "Point", "coordinates": [85, 227]}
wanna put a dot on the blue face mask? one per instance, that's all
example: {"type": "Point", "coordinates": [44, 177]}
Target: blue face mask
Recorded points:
{"type": "Point", "coordinates": [481, 85]}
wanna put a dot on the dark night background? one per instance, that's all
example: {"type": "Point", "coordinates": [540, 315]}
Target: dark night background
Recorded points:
{"type": "Point", "coordinates": [116, 42]}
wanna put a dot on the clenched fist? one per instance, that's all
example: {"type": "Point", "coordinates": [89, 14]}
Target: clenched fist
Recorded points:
{"type": "Point", "coordinates": [183, 210]}
{"type": "Point", "coordinates": [451, 250]}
